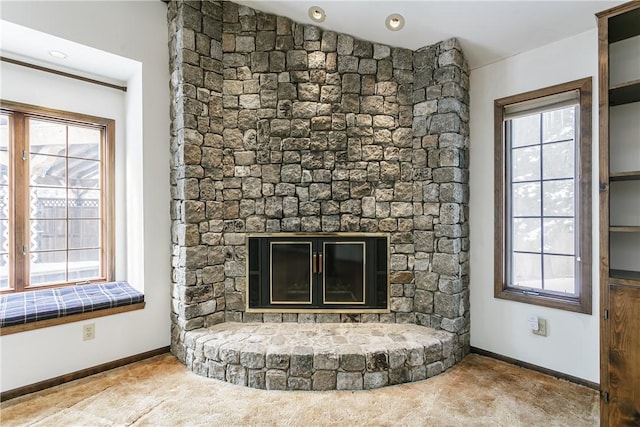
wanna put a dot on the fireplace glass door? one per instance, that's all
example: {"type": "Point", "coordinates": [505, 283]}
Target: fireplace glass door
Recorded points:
{"type": "Point", "coordinates": [291, 273]}
{"type": "Point", "coordinates": [318, 273]}
{"type": "Point", "coordinates": [343, 272]}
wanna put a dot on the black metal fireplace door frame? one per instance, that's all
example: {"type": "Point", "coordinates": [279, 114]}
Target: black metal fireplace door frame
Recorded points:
{"type": "Point", "coordinates": [318, 272]}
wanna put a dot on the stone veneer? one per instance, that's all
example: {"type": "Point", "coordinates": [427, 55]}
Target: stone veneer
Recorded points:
{"type": "Point", "coordinates": [283, 127]}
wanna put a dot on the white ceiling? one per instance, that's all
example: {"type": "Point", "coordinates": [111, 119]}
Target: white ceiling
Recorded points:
{"type": "Point", "coordinates": [487, 30]}
{"type": "Point", "coordinates": [31, 46]}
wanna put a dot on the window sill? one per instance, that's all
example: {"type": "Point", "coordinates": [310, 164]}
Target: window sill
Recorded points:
{"type": "Point", "coordinates": [27, 311]}
{"type": "Point", "coordinates": [550, 301]}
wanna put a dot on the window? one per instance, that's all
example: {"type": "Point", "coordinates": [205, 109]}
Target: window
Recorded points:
{"type": "Point", "coordinates": [543, 197]}
{"type": "Point", "coordinates": [56, 198]}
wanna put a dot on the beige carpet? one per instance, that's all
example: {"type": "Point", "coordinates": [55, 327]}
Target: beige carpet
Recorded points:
{"type": "Point", "coordinates": [160, 392]}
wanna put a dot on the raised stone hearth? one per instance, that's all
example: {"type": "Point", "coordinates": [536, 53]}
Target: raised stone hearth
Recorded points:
{"type": "Point", "coordinates": [331, 356]}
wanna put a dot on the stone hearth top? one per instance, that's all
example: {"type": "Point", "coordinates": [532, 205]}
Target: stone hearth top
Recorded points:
{"type": "Point", "coordinates": [316, 356]}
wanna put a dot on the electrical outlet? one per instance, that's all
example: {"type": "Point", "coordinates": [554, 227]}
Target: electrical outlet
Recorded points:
{"type": "Point", "coordinates": [88, 331]}
{"type": "Point", "coordinates": [542, 328]}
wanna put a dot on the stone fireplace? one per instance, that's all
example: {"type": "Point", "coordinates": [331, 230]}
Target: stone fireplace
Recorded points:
{"type": "Point", "coordinates": [281, 128]}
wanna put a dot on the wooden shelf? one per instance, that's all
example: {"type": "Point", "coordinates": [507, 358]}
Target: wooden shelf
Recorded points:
{"type": "Point", "coordinates": [619, 289]}
{"type": "Point", "coordinates": [625, 275]}
{"type": "Point", "coordinates": [624, 229]}
{"type": "Point", "coordinates": [624, 26]}
{"type": "Point", "coordinates": [625, 176]}
{"type": "Point", "coordinates": [624, 93]}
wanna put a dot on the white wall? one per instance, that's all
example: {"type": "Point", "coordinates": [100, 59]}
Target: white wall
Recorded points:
{"type": "Point", "coordinates": [135, 30]}
{"type": "Point", "coordinates": [500, 326]}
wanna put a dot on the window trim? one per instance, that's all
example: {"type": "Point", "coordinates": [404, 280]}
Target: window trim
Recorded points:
{"type": "Point", "coordinates": [108, 195]}
{"type": "Point", "coordinates": [582, 303]}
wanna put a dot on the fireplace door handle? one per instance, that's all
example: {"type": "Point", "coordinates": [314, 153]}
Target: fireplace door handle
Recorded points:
{"type": "Point", "coordinates": [320, 263]}
{"type": "Point", "coordinates": [315, 263]}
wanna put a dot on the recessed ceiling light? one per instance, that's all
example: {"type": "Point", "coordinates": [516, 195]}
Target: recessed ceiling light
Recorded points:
{"type": "Point", "coordinates": [316, 14]}
{"type": "Point", "coordinates": [394, 22]}
{"type": "Point", "coordinates": [57, 54]}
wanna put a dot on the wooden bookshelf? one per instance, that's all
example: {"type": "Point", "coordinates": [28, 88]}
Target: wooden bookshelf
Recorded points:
{"type": "Point", "coordinates": [619, 286]}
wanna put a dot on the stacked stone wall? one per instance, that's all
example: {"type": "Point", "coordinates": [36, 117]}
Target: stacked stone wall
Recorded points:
{"type": "Point", "coordinates": [198, 256]}
{"type": "Point", "coordinates": [441, 127]}
{"type": "Point", "coordinates": [284, 127]}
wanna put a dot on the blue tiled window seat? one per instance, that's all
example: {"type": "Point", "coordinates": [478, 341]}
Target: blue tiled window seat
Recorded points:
{"type": "Point", "coordinates": [45, 304]}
